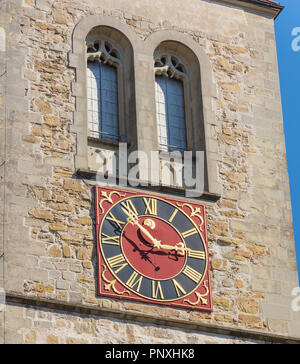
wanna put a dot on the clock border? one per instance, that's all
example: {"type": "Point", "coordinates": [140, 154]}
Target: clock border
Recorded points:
{"type": "Point", "coordinates": [138, 194]}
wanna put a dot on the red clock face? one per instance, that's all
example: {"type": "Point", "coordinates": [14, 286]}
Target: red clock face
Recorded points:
{"type": "Point", "coordinates": [138, 245]}
{"type": "Point", "coordinates": [152, 249]}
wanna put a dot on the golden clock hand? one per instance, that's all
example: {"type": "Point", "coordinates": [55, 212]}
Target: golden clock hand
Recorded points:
{"type": "Point", "coordinates": [133, 219]}
{"type": "Point", "coordinates": [178, 247]}
{"type": "Point", "coordinates": [155, 242]}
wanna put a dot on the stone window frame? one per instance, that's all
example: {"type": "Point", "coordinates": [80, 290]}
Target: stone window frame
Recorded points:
{"type": "Point", "coordinates": [208, 91]}
{"type": "Point", "coordinates": [77, 59]}
{"type": "Point", "coordinates": [144, 95]}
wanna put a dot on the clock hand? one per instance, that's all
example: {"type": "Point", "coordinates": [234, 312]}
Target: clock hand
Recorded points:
{"type": "Point", "coordinates": [180, 248]}
{"type": "Point", "coordinates": [133, 219]}
{"type": "Point", "coordinates": [154, 241]}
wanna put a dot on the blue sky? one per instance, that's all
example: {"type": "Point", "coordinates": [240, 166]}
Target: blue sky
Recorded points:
{"type": "Point", "coordinates": [289, 70]}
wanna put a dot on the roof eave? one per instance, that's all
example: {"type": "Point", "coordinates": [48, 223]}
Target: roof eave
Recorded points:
{"type": "Point", "coordinates": [271, 9]}
{"type": "Point", "coordinates": [277, 7]}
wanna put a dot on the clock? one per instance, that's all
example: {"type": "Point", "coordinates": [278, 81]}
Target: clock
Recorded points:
{"type": "Point", "coordinates": [152, 249]}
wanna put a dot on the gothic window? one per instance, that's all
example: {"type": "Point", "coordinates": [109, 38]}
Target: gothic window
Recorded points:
{"type": "Point", "coordinates": [102, 72]}
{"type": "Point", "coordinates": [170, 75]}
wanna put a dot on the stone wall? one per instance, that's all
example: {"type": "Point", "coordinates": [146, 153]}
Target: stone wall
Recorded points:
{"type": "Point", "coordinates": [50, 251]}
{"type": "Point", "coordinates": [32, 325]}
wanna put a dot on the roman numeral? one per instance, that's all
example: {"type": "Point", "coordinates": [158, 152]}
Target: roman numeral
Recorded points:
{"type": "Point", "coordinates": [196, 254]}
{"type": "Point", "coordinates": [129, 207]}
{"type": "Point", "coordinates": [173, 215]}
{"type": "Point", "coordinates": [118, 262]}
{"type": "Point", "coordinates": [188, 233]}
{"type": "Point", "coordinates": [115, 220]}
{"type": "Point", "coordinates": [151, 206]}
{"type": "Point", "coordinates": [135, 281]}
{"type": "Point", "coordinates": [192, 274]}
{"type": "Point", "coordinates": [179, 289]}
{"type": "Point", "coordinates": [111, 240]}
{"type": "Point", "coordinates": [157, 290]}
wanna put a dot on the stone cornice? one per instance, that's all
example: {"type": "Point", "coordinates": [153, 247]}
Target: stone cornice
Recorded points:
{"type": "Point", "coordinates": [177, 192]}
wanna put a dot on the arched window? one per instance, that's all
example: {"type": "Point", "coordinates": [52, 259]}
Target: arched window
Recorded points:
{"type": "Point", "coordinates": [102, 72]}
{"type": "Point", "coordinates": [170, 75]}
{"type": "Point", "coordinates": [105, 113]}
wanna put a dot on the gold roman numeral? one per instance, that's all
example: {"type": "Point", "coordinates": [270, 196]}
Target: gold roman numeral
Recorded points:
{"type": "Point", "coordinates": [129, 207]}
{"type": "Point", "coordinates": [151, 206]}
{"type": "Point", "coordinates": [179, 289]}
{"type": "Point", "coordinates": [111, 240]}
{"type": "Point", "coordinates": [192, 274]}
{"type": "Point", "coordinates": [196, 254]}
{"type": "Point", "coordinates": [173, 216]}
{"type": "Point", "coordinates": [157, 290]}
{"type": "Point", "coordinates": [115, 220]}
{"type": "Point", "coordinates": [188, 233]}
{"type": "Point", "coordinates": [135, 281]}
{"type": "Point", "coordinates": [118, 262]}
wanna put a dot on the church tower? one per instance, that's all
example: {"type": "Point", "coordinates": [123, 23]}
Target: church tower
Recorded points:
{"type": "Point", "coordinates": [143, 178]}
